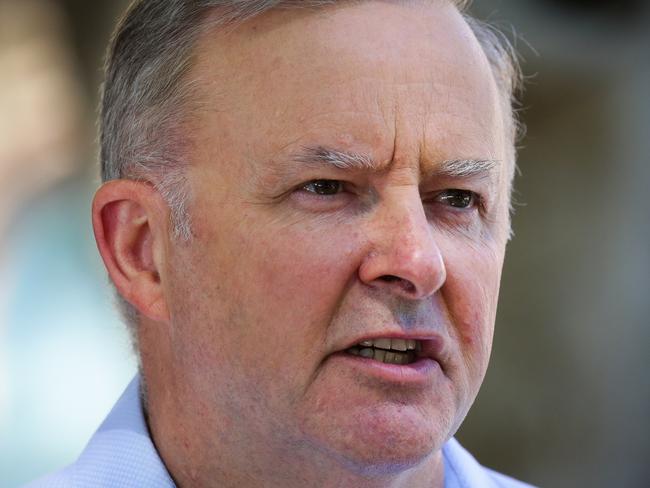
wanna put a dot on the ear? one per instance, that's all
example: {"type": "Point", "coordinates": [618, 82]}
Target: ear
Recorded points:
{"type": "Point", "coordinates": [130, 221]}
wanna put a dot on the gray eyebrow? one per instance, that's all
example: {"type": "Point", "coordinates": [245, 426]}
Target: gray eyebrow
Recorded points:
{"type": "Point", "coordinates": [452, 168]}
{"type": "Point", "coordinates": [333, 157]}
{"type": "Point", "coordinates": [466, 168]}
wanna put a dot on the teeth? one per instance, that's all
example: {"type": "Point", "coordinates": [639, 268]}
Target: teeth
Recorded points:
{"type": "Point", "coordinates": [389, 351]}
{"type": "Point", "coordinates": [394, 344]}
{"type": "Point", "coordinates": [367, 353]}
{"type": "Point", "coordinates": [382, 343]}
{"type": "Point", "coordinates": [391, 358]}
{"type": "Point", "coordinates": [387, 357]}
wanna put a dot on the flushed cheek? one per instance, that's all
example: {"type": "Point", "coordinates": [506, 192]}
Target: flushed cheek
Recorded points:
{"type": "Point", "coordinates": [310, 268]}
{"type": "Point", "coordinates": [296, 280]}
{"type": "Point", "coordinates": [471, 293]}
{"type": "Point", "coordinates": [273, 289]}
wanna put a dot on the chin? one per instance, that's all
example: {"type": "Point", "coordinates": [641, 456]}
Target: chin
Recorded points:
{"type": "Point", "coordinates": [379, 442]}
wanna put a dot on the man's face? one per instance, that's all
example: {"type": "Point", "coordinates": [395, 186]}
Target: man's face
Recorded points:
{"type": "Point", "coordinates": [325, 213]}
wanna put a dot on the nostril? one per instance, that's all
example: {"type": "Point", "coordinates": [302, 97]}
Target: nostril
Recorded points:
{"type": "Point", "coordinates": [390, 278]}
{"type": "Point", "coordinates": [406, 284]}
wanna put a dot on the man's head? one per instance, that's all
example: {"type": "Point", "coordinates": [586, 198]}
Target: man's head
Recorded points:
{"type": "Point", "coordinates": [308, 185]}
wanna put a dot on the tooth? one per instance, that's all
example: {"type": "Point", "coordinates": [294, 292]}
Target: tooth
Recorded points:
{"type": "Point", "coordinates": [411, 344]}
{"type": "Point", "coordinates": [398, 344]}
{"type": "Point", "coordinates": [418, 346]}
{"type": "Point", "coordinates": [354, 351]}
{"type": "Point", "coordinates": [382, 343]}
{"type": "Point", "coordinates": [389, 358]}
{"type": "Point", "coordinates": [366, 343]}
{"type": "Point", "coordinates": [380, 354]}
{"type": "Point", "coordinates": [366, 353]}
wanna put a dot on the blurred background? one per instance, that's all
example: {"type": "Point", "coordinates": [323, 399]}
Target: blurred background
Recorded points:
{"type": "Point", "coordinates": [567, 398]}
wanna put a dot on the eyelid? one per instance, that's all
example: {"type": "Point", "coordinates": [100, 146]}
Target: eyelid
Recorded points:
{"type": "Point", "coordinates": [478, 201]}
{"type": "Point", "coordinates": [311, 200]}
{"type": "Point", "coordinates": [340, 188]}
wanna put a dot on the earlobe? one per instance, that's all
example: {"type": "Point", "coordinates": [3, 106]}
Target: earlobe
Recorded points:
{"type": "Point", "coordinates": [129, 221]}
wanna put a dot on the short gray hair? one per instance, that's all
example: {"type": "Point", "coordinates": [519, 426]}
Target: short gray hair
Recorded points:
{"type": "Point", "coordinates": [146, 95]}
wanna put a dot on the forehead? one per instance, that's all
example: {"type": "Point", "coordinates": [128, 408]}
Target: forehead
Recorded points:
{"type": "Point", "coordinates": [382, 78]}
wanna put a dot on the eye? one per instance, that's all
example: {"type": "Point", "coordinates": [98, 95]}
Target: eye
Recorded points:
{"type": "Point", "coordinates": [461, 199]}
{"type": "Point", "coordinates": [324, 187]}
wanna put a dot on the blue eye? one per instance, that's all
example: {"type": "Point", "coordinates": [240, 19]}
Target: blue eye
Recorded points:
{"type": "Point", "coordinates": [458, 198]}
{"type": "Point", "coordinates": [324, 187]}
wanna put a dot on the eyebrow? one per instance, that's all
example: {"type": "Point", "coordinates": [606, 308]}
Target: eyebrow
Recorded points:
{"type": "Point", "coordinates": [452, 168]}
{"type": "Point", "coordinates": [466, 168]}
{"type": "Point", "coordinates": [318, 155]}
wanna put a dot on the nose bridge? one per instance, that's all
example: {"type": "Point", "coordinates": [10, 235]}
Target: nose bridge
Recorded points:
{"type": "Point", "coordinates": [404, 246]}
{"type": "Point", "coordinates": [412, 242]}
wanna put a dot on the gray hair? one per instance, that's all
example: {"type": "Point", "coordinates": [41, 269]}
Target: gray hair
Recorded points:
{"type": "Point", "coordinates": [146, 95]}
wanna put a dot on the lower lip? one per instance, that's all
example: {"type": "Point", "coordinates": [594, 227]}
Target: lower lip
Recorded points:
{"type": "Point", "coordinates": [422, 371]}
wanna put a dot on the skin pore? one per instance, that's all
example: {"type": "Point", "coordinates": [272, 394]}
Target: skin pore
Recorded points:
{"type": "Point", "coordinates": [348, 181]}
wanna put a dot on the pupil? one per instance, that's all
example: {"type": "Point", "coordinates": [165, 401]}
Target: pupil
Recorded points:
{"type": "Point", "coordinates": [460, 199]}
{"type": "Point", "coordinates": [326, 187]}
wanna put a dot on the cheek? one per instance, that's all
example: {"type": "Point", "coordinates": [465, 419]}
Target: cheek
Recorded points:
{"type": "Point", "coordinates": [283, 282]}
{"type": "Point", "coordinates": [471, 294]}
{"type": "Point", "coordinates": [305, 269]}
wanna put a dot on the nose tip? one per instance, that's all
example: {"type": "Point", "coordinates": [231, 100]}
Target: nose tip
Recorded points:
{"type": "Point", "coordinates": [405, 258]}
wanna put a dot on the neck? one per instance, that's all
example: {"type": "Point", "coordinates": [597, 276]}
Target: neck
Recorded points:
{"type": "Point", "coordinates": [204, 459]}
{"type": "Point", "coordinates": [222, 466]}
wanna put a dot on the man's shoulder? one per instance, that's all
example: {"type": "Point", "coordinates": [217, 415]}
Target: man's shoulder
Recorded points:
{"type": "Point", "coordinates": [120, 454]}
{"type": "Point", "coordinates": [503, 481]}
{"type": "Point", "coordinates": [462, 470]}
{"type": "Point", "coordinates": [112, 459]}
{"type": "Point", "coordinates": [60, 479]}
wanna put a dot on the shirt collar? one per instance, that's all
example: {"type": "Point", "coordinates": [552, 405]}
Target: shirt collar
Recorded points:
{"type": "Point", "coordinates": [121, 453]}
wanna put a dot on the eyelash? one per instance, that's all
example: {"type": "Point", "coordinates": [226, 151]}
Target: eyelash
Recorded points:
{"type": "Point", "coordinates": [475, 200]}
{"type": "Point", "coordinates": [316, 183]}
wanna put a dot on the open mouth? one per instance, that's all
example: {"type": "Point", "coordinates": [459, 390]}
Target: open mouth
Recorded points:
{"type": "Point", "coordinates": [388, 351]}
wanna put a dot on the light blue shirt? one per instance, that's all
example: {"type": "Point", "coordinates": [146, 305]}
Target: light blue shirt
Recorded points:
{"type": "Point", "coordinates": [122, 455]}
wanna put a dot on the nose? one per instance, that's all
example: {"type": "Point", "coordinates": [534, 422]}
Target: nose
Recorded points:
{"type": "Point", "coordinates": [404, 257]}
